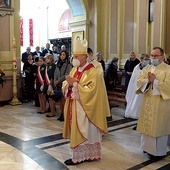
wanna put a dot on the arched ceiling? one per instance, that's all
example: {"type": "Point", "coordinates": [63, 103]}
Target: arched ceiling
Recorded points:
{"type": "Point", "coordinates": [76, 7]}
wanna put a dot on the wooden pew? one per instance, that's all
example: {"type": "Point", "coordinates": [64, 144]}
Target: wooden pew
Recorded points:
{"type": "Point", "coordinates": [115, 93]}
{"type": "Point", "coordinates": [116, 96]}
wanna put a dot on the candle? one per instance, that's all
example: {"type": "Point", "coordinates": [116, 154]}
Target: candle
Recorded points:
{"type": "Point", "coordinates": [14, 49]}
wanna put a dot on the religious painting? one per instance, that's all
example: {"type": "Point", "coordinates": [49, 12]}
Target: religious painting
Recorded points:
{"type": "Point", "coordinates": [78, 35]}
{"type": "Point", "coordinates": [5, 4]}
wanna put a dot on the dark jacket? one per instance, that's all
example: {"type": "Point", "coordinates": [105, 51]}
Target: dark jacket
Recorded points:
{"type": "Point", "coordinates": [24, 56]}
{"type": "Point", "coordinates": [45, 51]}
{"type": "Point", "coordinates": [36, 53]}
{"type": "Point", "coordinates": [130, 65]}
{"type": "Point", "coordinates": [111, 75]}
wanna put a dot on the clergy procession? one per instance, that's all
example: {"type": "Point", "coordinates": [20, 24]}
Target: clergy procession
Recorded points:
{"type": "Point", "coordinates": [79, 83]}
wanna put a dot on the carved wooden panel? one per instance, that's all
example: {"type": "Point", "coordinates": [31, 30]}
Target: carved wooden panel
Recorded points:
{"type": "Point", "coordinates": [5, 33]}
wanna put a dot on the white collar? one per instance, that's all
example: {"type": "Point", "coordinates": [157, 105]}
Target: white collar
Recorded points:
{"type": "Point", "coordinates": [80, 69]}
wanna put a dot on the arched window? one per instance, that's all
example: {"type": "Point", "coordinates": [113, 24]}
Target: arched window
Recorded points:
{"type": "Point", "coordinates": [64, 21]}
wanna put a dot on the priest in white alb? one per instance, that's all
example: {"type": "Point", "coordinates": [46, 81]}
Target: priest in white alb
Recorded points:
{"type": "Point", "coordinates": [134, 100]}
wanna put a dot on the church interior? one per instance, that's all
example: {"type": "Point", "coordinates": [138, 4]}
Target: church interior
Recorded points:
{"type": "Point", "coordinates": [31, 141]}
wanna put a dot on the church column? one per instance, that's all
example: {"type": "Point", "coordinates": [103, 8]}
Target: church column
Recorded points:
{"type": "Point", "coordinates": [102, 28]}
{"type": "Point", "coordinates": [158, 25]}
{"type": "Point", "coordinates": [136, 27]}
{"type": "Point", "coordinates": [167, 25]}
{"type": "Point", "coordinates": [163, 24]}
{"type": "Point", "coordinates": [43, 29]}
{"type": "Point", "coordinates": [120, 32]}
{"type": "Point", "coordinates": [141, 31]}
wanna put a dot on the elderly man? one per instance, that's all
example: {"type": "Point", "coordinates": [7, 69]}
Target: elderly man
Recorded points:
{"type": "Point", "coordinates": [37, 52]}
{"type": "Point", "coordinates": [63, 48]}
{"type": "Point", "coordinates": [47, 50]}
{"type": "Point", "coordinates": [153, 123]}
{"type": "Point", "coordinates": [84, 112]}
{"type": "Point", "coordinates": [100, 59]}
{"type": "Point", "coordinates": [26, 54]}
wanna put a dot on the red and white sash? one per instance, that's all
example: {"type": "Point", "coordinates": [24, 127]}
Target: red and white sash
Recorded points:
{"type": "Point", "coordinates": [48, 82]}
{"type": "Point", "coordinates": [40, 79]}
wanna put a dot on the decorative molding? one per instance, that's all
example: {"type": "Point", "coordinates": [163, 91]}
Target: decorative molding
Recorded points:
{"type": "Point", "coordinates": [79, 23]}
{"type": "Point", "coordinates": [5, 62]}
{"type": "Point", "coordinates": [10, 77]}
{"type": "Point", "coordinates": [8, 69]}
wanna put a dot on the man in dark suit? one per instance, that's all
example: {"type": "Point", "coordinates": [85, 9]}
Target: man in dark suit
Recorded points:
{"type": "Point", "coordinates": [37, 52]}
{"type": "Point", "coordinates": [47, 50]}
{"type": "Point", "coordinates": [25, 54]}
{"type": "Point", "coordinates": [55, 53]}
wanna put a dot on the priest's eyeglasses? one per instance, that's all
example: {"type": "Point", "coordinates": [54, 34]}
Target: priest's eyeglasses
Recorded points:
{"type": "Point", "coordinates": [155, 56]}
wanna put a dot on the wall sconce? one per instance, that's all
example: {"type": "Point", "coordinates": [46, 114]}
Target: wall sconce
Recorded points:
{"type": "Point", "coordinates": [151, 10]}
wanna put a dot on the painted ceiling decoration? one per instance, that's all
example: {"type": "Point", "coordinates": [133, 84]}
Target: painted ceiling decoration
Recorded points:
{"type": "Point", "coordinates": [76, 7]}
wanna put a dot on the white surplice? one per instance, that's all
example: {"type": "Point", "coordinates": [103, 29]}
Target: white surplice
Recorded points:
{"type": "Point", "coordinates": [133, 100]}
{"type": "Point", "coordinates": [154, 117]}
{"type": "Point", "coordinates": [154, 146]}
{"type": "Point", "coordinates": [91, 148]}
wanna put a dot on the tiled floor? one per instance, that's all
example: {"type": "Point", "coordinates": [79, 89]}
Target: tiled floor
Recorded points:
{"type": "Point", "coordinates": [30, 141]}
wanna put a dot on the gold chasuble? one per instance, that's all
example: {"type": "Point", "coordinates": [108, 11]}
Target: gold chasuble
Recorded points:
{"type": "Point", "coordinates": [88, 106]}
{"type": "Point", "coordinates": [99, 68]}
{"type": "Point", "coordinates": [154, 119]}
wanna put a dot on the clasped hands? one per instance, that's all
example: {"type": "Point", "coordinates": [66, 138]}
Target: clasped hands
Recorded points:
{"type": "Point", "coordinates": [71, 80]}
{"type": "Point", "coordinates": [151, 77]}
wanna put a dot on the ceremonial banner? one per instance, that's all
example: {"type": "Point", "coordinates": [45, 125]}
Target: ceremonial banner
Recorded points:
{"type": "Point", "coordinates": [21, 31]}
{"type": "Point", "coordinates": [31, 31]}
